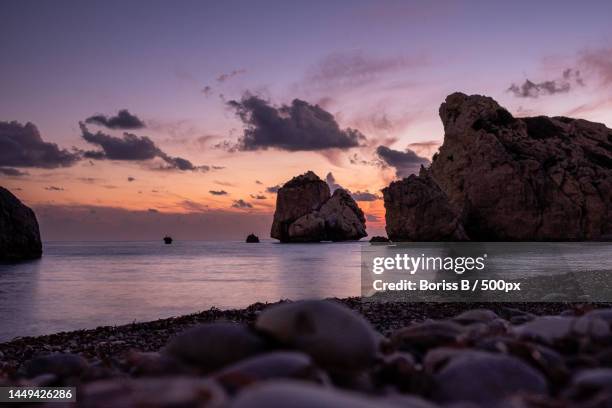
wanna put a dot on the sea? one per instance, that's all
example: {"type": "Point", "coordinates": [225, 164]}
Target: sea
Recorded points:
{"type": "Point", "coordinates": [79, 285]}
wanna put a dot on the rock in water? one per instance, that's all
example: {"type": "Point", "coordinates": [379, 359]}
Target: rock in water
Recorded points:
{"type": "Point", "coordinates": [417, 210]}
{"type": "Point", "coordinates": [252, 239]}
{"type": "Point", "coordinates": [305, 212]}
{"type": "Point", "coordinates": [19, 233]}
{"type": "Point", "coordinates": [498, 178]}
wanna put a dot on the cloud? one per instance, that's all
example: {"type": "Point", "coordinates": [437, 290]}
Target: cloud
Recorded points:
{"type": "Point", "coordinates": [258, 197]}
{"type": "Point", "coordinates": [224, 183]}
{"type": "Point", "coordinates": [258, 182]}
{"type": "Point", "coordinates": [273, 189]}
{"type": "Point", "coordinates": [372, 218]}
{"type": "Point", "coordinates": [364, 196]}
{"type": "Point", "coordinates": [529, 89]}
{"type": "Point", "coordinates": [131, 147]}
{"type": "Point", "coordinates": [598, 62]}
{"type": "Point", "coordinates": [218, 192]}
{"type": "Point", "coordinates": [241, 204]}
{"type": "Point", "coordinates": [123, 120]}
{"type": "Point", "coordinates": [207, 90]}
{"type": "Point", "coordinates": [193, 206]}
{"type": "Point", "coordinates": [11, 172]}
{"type": "Point", "coordinates": [296, 127]}
{"type": "Point", "coordinates": [54, 188]}
{"type": "Point", "coordinates": [356, 68]}
{"type": "Point", "coordinates": [405, 163]}
{"type": "Point", "coordinates": [331, 182]}
{"type": "Point", "coordinates": [229, 75]}
{"type": "Point", "coordinates": [22, 146]}
{"type": "Point", "coordinates": [130, 179]}
{"type": "Point", "coordinates": [425, 147]}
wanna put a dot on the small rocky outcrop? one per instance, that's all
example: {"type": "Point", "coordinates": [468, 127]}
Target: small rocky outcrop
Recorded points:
{"type": "Point", "coordinates": [19, 233]}
{"type": "Point", "coordinates": [377, 239]}
{"type": "Point", "coordinates": [501, 178]}
{"type": "Point", "coordinates": [252, 239]}
{"type": "Point", "coordinates": [306, 212]}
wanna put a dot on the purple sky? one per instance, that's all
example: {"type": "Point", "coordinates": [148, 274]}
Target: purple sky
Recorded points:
{"type": "Point", "coordinates": [381, 68]}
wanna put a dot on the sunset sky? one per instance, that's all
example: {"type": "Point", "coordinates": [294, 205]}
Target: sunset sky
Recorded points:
{"type": "Point", "coordinates": [158, 117]}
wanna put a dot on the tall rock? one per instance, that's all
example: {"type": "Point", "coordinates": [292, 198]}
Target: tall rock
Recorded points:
{"type": "Point", "coordinates": [306, 212]}
{"type": "Point", "coordinates": [19, 234]}
{"type": "Point", "coordinates": [507, 178]}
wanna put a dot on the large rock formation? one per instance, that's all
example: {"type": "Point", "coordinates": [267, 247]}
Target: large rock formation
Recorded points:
{"type": "Point", "coordinates": [19, 234]}
{"type": "Point", "coordinates": [497, 177]}
{"type": "Point", "coordinates": [306, 212]}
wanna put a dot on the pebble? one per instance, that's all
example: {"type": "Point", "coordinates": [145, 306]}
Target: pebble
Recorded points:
{"type": "Point", "coordinates": [274, 365]}
{"type": "Point", "coordinates": [485, 378]}
{"type": "Point", "coordinates": [429, 334]}
{"type": "Point", "coordinates": [333, 335]}
{"type": "Point", "coordinates": [168, 392]}
{"type": "Point", "coordinates": [283, 394]}
{"type": "Point", "coordinates": [212, 346]}
{"type": "Point", "coordinates": [61, 365]}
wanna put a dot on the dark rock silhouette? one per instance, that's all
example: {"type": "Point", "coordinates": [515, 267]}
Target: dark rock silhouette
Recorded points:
{"type": "Point", "coordinates": [305, 212]}
{"type": "Point", "coordinates": [377, 239]}
{"type": "Point", "coordinates": [168, 240]}
{"type": "Point", "coordinates": [498, 178]}
{"type": "Point", "coordinates": [19, 233]}
{"type": "Point", "coordinates": [252, 239]}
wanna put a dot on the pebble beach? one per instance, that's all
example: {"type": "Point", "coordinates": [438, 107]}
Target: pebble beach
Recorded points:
{"type": "Point", "coordinates": [337, 352]}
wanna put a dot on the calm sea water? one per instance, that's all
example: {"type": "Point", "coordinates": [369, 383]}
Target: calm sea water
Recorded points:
{"type": "Point", "coordinates": [84, 285]}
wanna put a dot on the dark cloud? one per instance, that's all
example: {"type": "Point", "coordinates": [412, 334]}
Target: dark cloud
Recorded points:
{"type": "Point", "coordinates": [258, 182]}
{"type": "Point", "coordinates": [529, 89]}
{"type": "Point", "coordinates": [22, 146]}
{"type": "Point", "coordinates": [405, 163]}
{"type": "Point", "coordinates": [241, 204]}
{"type": "Point", "coordinates": [130, 179]}
{"type": "Point", "coordinates": [218, 192]}
{"type": "Point", "coordinates": [229, 75]}
{"type": "Point", "coordinates": [273, 189]}
{"type": "Point", "coordinates": [296, 127]}
{"type": "Point", "coordinates": [54, 188]}
{"type": "Point", "coordinates": [153, 210]}
{"type": "Point", "coordinates": [364, 196]}
{"type": "Point", "coordinates": [207, 90]}
{"type": "Point", "coordinates": [11, 172]}
{"type": "Point", "coordinates": [258, 196]}
{"type": "Point", "coordinates": [133, 148]}
{"type": "Point", "coordinates": [123, 120]}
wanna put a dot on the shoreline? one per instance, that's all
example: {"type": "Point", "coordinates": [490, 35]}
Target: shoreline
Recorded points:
{"type": "Point", "coordinates": [103, 341]}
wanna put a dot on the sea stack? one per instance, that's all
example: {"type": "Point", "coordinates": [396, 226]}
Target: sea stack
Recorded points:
{"type": "Point", "coordinates": [19, 233]}
{"type": "Point", "coordinates": [168, 240]}
{"type": "Point", "coordinates": [307, 212]}
{"type": "Point", "coordinates": [252, 239]}
{"type": "Point", "coordinates": [501, 178]}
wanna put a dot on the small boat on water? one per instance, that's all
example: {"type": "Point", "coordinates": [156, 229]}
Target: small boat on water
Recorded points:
{"type": "Point", "coordinates": [167, 240]}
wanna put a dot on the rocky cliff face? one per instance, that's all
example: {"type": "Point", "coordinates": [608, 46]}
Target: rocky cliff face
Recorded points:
{"type": "Point", "coordinates": [305, 212]}
{"type": "Point", "coordinates": [19, 234]}
{"type": "Point", "coordinates": [497, 177]}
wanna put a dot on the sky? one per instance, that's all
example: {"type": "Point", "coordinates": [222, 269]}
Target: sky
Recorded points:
{"type": "Point", "coordinates": [130, 120]}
